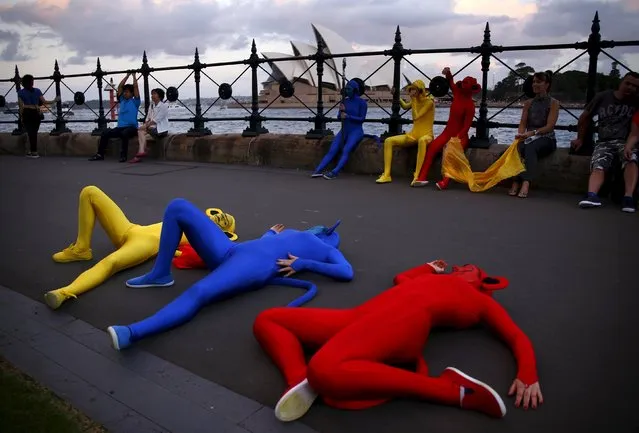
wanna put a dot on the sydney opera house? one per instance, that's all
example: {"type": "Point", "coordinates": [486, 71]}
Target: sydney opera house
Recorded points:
{"type": "Point", "coordinates": [378, 86]}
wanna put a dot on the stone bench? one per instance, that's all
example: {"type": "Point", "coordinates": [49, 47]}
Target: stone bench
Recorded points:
{"type": "Point", "coordinates": [560, 172]}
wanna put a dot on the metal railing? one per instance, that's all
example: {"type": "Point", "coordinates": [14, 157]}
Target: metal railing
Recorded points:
{"type": "Point", "coordinates": [593, 47]}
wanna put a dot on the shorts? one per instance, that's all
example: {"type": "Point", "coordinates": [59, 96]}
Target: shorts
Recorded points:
{"type": "Point", "coordinates": [153, 132]}
{"type": "Point", "coordinates": [605, 154]}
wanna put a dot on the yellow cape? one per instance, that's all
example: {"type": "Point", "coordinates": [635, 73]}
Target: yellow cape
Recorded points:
{"type": "Point", "coordinates": [456, 166]}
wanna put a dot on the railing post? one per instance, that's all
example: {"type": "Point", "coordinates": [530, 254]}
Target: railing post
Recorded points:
{"type": "Point", "coordinates": [320, 130]}
{"type": "Point", "coordinates": [60, 123]}
{"type": "Point", "coordinates": [395, 121]}
{"type": "Point", "coordinates": [255, 127]}
{"type": "Point", "coordinates": [102, 122]}
{"type": "Point", "coordinates": [481, 139]}
{"type": "Point", "coordinates": [145, 70]}
{"type": "Point", "coordinates": [16, 81]}
{"type": "Point", "coordinates": [198, 129]}
{"type": "Point", "coordinates": [594, 48]}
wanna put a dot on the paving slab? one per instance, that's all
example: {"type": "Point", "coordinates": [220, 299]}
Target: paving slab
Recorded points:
{"type": "Point", "coordinates": [134, 391]}
{"type": "Point", "coordinates": [572, 273]}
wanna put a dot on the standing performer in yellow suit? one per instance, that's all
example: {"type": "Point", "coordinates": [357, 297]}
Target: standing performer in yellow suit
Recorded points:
{"type": "Point", "coordinates": [422, 106]}
{"type": "Point", "coordinates": [134, 243]}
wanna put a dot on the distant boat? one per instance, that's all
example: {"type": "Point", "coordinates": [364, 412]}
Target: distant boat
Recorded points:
{"type": "Point", "coordinates": [174, 106]}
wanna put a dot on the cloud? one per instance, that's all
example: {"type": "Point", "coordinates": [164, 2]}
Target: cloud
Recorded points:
{"type": "Point", "coordinates": [458, 24]}
{"type": "Point", "coordinates": [561, 19]}
{"type": "Point", "coordinates": [10, 51]}
{"type": "Point", "coordinates": [90, 28]}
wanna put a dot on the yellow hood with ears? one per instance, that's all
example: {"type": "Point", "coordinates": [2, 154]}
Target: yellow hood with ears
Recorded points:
{"type": "Point", "coordinates": [422, 110]}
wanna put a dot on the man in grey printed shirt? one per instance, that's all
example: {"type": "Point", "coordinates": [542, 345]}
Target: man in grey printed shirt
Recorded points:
{"type": "Point", "coordinates": [615, 109]}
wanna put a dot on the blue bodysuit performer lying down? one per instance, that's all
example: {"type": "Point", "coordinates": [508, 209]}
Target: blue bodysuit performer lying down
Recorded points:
{"type": "Point", "coordinates": [236, 267]}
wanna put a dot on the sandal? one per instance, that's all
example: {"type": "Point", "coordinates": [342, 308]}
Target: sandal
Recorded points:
{"type": "Point", "coordinates": [525, 189]}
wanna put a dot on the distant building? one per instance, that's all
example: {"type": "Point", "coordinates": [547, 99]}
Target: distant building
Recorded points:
{"type": "Point", "coordinates": [378, 86]}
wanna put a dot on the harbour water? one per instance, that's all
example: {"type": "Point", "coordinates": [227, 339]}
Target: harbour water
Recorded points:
{"type": "Point", "coordinates": [179, 121]}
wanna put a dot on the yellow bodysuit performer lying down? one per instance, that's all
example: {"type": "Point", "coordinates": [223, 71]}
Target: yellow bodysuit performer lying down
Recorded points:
{"type": "Point", "coordinates": [134, 243]}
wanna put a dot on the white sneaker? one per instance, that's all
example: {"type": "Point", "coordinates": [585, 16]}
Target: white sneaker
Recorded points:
{"type": "Point", "coordinates": [296, 402]}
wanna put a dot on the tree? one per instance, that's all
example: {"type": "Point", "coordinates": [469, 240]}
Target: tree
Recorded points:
{"type": "Point", "coordinates": [568, 86]}
{"type": "Point", "coordinates": [513, 83]}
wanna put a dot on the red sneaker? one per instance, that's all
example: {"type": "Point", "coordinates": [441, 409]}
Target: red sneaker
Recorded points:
{"type": "Point", "coordinates": [442, 185]}
{"type": "Point", "coordinates": [476, 395]}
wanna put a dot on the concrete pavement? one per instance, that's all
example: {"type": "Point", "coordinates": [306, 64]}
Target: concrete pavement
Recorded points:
{"type": "Point", "coordinates": [573, 285]}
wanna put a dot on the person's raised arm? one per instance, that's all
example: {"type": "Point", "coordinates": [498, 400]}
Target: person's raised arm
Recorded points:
{"type": "Point", "coordinates": [424, 108]}
{"type": "Point", "coordinates": [451, 79]}
{"type": "Point", "coordinates": [405, 105]}
{"type": "Point", "coordinates": [136, 88]}
{"type": "Point", "coordinates": [335, 266]}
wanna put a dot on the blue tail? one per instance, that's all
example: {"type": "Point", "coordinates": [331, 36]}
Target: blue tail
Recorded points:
{"type": "Point", "coordinates": [311, 289]}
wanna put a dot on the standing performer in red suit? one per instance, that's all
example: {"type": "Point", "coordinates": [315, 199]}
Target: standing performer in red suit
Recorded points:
{"type": "Point", "coordinates": [460, 119]}
{"type": "Point", "coordinates": [357, 347]}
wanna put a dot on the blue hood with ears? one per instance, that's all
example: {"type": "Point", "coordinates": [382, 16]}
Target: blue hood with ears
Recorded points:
{"type": "Point", "coordinates": [352, 89]}
{"type": "Point", "coordinates": [328, 235]}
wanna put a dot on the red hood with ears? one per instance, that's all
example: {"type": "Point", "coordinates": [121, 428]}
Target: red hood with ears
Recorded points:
{"type": "Point", "coordinates": [479, 279]}
{"type": "Point", "coordinates": [469, 85]}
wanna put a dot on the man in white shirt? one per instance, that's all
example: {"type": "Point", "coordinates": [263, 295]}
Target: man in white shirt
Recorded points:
{"type": "Point", "coordinates": [156, 124]}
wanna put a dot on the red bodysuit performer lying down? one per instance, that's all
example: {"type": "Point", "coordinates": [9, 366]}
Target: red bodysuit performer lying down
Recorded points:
{"type": "Point", "coordinates": [357, 347]}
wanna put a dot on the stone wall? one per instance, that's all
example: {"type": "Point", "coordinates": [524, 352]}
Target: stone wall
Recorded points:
{"type": "Point", "coordinates": [561, 171]}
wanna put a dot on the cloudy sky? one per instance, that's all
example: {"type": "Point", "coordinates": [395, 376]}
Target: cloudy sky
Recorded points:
{"type": "Point", "coordinates": [33, 33]}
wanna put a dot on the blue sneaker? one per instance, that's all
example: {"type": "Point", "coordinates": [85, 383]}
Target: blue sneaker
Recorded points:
{"type": "Point", "coordinates": [591, 200]}
{"type": "Point", "coordinates": [628, 204]}
{"type": "Point", "coordinates": [330, 175]}
{"type": "Point", "coordinates": [120, 336]}
{"type": "Point", "coordinates": [148, 281]}
{"type": "Point", "coordinates": [317, 174]}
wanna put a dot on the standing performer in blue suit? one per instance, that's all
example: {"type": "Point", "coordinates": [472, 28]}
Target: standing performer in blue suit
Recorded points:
{"type": "Point", "coordinates": [353, 113]}
{"type": "Point", "coordinates": [236, 267]}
